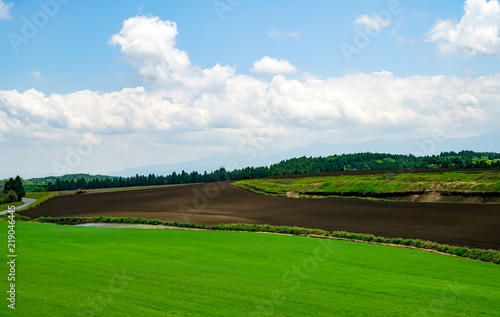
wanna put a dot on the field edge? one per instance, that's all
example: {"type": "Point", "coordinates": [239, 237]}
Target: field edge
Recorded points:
{"type": "Point", "coordinates": [483, 255]}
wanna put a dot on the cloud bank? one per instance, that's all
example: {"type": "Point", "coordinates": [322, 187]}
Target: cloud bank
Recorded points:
{"type": "Point", "coordinates": [218, 107]}
{"type": "Point", "coordinates": [191, 99]}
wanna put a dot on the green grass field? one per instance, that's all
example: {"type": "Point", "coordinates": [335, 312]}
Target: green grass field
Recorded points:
{"type": "Point", "coordinates": [80, 271]}
{"type": "Point", "coordinates": [6, 206]}
{"type": "Point", "coordinates": [481, 181]}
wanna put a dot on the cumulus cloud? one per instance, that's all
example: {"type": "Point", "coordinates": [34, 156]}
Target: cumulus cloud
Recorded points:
{"type": "Point", "coordinates": [191, 103]}
{"type": "Point", "coordinates": [350, 101]}
{"type": "Point", "coordinates": [270, 65]}
{"type": "Point", "coordinates": [148, 43]}
{"type": "Point", "coordinates": [477, 32]}
{"type": "Point", "coordinates": [4, 9]}
{"type": "Point", "coordinates": [373, 23]}
{"type": "Point", "coordinates": [221, 109]}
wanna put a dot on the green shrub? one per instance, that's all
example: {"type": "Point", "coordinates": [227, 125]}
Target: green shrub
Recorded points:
{"type": "Point", "coordinates": [440, 247]}
{"type": "Point", "coordinates": [339, 234]}
{"type": "Point", "coordinates": [408, 241]}
{"type": "Point", "coordinates": [496, 258]}
{"type": "Point", "coordinates": [461, 251]}
{"type": "Point", "coordinates": [369, 237]}
{"type": "Point", "coordinates": [396, 240]}
{"type": "Point", "coordinates": [487, 255]}
{"type": "Point", "coordinates": [417, 243]}
{"type": "Point", "coordinates": [38, 189]}
{"type": "Point", "coordinates": [8, 196]}
{"type": "Point", "coordinates": [429, 245]}
{"type": "Point", "coordinates": [473, 253]}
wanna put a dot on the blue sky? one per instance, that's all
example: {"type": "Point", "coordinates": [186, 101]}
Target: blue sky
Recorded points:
{"type": "Point", "coordinates": [71, 52]}
{"type": "Point", "coordinates": [422, 59]}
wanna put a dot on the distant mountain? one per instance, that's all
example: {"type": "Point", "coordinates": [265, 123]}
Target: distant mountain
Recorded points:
{"type": "Point", "coordinates": [488, 142]}
{"type": "Point", "coordinates": [482, 143]}
{"type": "Point", "coordinates": [208, 163]}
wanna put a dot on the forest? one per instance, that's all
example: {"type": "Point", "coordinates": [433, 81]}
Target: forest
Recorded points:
{"type": "Point", "coordinates": [302, 165]}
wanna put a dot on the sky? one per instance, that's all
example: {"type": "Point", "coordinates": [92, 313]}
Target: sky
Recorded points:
{"type": "Point", "coordinates": [99, 86]}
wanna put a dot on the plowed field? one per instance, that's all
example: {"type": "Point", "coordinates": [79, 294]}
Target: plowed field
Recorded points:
{"type": "Point", "coordinates": [472, 225]}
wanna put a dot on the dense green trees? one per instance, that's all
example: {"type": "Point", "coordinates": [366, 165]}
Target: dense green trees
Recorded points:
{"type": "Point", "coordinates": [301, 165]}
{"type": "Point", "coordinates": [13, 190]}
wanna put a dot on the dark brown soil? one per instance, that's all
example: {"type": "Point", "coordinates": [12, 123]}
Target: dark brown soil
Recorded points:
{"type": "Point", "coordinates": [472, 225]}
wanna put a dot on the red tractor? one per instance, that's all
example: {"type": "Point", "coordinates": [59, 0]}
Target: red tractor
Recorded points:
{"type": "Point", "coordinates": [80, 191]}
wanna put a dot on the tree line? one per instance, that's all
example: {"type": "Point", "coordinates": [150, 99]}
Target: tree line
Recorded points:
{"type": "Point", "coordinates": [13, 191]}
{"type": "Point", "coordinates": [302, 165]}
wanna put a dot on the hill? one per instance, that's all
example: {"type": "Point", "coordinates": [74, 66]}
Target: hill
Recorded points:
{"type": "Point", "coordinates": [118, 272]}
{"type": "Point", "coordinates": [486, 142]}
{"type": "Point", "coordinates": [222, 202]}
{"type": "Point", "coordinates": [301, 165]}
{"type": "Point", "coordinates": [458, 186]}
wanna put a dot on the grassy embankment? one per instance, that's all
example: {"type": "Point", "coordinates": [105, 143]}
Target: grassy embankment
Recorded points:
{"type": "Point", "coordinates": [475, 254]}
{"type": "Point", "coordinates": [67, 270]}
{"type": "Point", "coordinates": [373, 184]}
{"type": "Point", "coordinates": [6, 206]}
{"type": "Point", "coordinates": [40, 197]}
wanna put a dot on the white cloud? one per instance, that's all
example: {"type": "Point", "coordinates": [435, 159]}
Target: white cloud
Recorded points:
{"type": "Point", "coordinates": [36, 74]}
{"type": "Point", "coordinates": [171, 124]}
{"type": "Point", "coordinates": [4, 9]}
{"type": "Point", "coordinates": [270, 65]}
{"type": "Point", "coordinates": [149, 44]}
{"type": "Point", "coordinates": [215, 109]}
{"type": "Point", "coordinates": [277, 34]}
{"type": "Point", "coordinates": [384, 73]}
{"type": "Point", "coordinates": [373, 23]}
{"type": "Point", "coordinates": [477, 32]}
{"type": "Point", "coordinates": [377, 100]}
{"type": "Point", "coordinates": [192, 101]}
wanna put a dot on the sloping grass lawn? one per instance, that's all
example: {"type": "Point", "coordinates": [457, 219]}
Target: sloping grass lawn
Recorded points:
{"type": "Point", "coordinates": [477, 181]}
{"type": "Point", "coordinates": [41, 197]}
{"type": "Point", "coordinates": [82, 271]}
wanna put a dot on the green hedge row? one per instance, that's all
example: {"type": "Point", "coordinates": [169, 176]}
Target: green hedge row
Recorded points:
{"type": "Point", "coordinates": [476, 254]}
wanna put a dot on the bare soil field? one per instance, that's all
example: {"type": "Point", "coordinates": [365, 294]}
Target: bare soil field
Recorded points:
{"type": "Point", "coordinates": [472, 225]}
